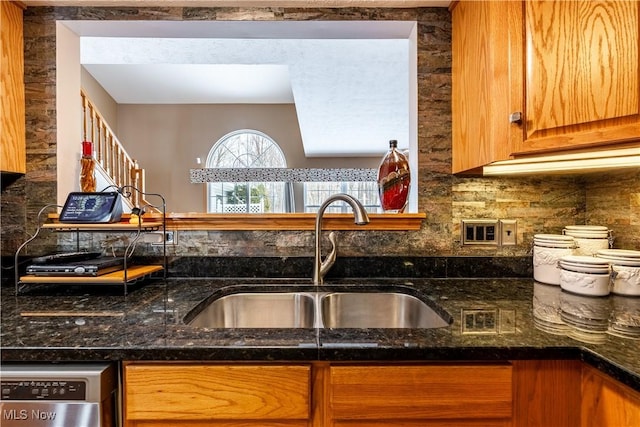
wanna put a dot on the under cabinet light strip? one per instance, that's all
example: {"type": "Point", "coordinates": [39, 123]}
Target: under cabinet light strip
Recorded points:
{"type": "Point", "coordinates": [282, 175]}
{"type": "Point", "coordinates": [566, 163]}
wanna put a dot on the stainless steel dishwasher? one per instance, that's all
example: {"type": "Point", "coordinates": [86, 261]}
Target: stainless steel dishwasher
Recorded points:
{"type": "Point", "coordinates": [59, 395]}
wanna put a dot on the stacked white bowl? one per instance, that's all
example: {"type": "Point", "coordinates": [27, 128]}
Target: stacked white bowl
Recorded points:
{"type": "Point", "coordinates": [547, 251]}
{"type": "Point", "coordinates": [589, 238]}
{"type": "Point", "coordinates": [584, 275]}
{"type": "Point", "coordinates": [625, 270]}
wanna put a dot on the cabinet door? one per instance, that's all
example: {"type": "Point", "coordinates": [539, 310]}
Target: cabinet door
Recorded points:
{"type": "Point", "coordinates": [186, 395]}
{"type": "Point", "coordinates": [443, 395]}
{"type": "Point", "coordinates": [546, 393]}
{"type": "Point", "coordinates": [12, 111]}
{"type": "Point", "coordinates": [581, 80]}
{"type": "Point", "coordinates": [607, 403]}
{"type": "Point", "coordinates": [486, 82]}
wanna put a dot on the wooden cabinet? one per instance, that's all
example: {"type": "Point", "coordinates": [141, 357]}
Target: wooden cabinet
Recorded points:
{"type": "Point", "coordinates": [189, 395]}
{"type": "Point", "coordinates": [546, 393]}
{"type": "Point", "coordinates": [486, 87]}
{"type": "Point", "coordinates": [439, 394]}
{"type": "Point", "coordinates": [570, 393]}
{"type": "Point", "coordinates": [521, 393]}
{"type": "Point", "coordinates": [538, 77]}
{"type": "Point", "coordinates": [12, 112]}
{"type": "Point", "coordinates": [582, 76]}
{"type": "Point", "coordinates": [184, 394]}
{"type": "Point", "coordinates": [606, 402]}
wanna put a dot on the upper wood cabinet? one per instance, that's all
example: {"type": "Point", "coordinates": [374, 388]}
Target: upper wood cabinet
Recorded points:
{"type": "Point", "coordinates": [582, 84]}
{"type": "Point", "coordinates": [486, 86]}
{"type": "Point", "coordinates": [12, 111]}
{"type": "Point", "coordinates": [537, 77]}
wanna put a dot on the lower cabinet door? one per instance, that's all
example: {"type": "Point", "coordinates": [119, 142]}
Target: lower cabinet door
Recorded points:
{"type": "Point", "coordinates": [189, 395]}
{"type": "Point", "coordinates": [606, 402]}
{"type": "Point", "coordinates": [429, 395]}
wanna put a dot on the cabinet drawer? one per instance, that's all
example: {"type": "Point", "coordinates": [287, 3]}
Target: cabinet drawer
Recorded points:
{"type": "Point", "coordinates": [421, 392]}
{"type": "Point", "coordinates": [215, 392]}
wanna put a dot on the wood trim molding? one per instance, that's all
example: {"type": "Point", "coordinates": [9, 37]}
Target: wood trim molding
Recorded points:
{"type": "Point", "coordinates": [277, 222]}
{"type": "Point", "coordinates": [298, 221]}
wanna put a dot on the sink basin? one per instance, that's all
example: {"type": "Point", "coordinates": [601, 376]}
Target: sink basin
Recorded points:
{"type": "Point", "coordinates": [310, 309]}
{"type": "Point", "coordinates": [377, 310]}
{"type": "Point", "coordinates": [257, 310]}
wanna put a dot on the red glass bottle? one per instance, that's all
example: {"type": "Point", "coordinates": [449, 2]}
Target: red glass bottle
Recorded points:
{"type": "Point", "coordinates": [394, 179]}
{"type": "Point", "coordinates": [87, 168]}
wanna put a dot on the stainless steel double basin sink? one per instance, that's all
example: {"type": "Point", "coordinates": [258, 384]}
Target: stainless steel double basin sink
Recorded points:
{"type": "Point", "coordinates": [338, 309]}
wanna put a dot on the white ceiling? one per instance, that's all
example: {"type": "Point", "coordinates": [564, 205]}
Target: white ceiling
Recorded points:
{"type": "Point", "coordinates": [195, 83]}
{"type": "Point", "coordinates": [350, 81]}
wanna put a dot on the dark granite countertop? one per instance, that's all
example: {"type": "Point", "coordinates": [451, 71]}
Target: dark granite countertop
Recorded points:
{"type": "Point", "coordinates": [534, 321]}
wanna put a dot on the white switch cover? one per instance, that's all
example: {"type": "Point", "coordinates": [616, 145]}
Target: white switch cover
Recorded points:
{"type": "Point", "coordinates": [508, 230]}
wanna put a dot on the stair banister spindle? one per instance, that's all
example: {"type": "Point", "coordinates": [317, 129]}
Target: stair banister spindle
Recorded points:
{"type": "Point", "coordinates": [110, 154]}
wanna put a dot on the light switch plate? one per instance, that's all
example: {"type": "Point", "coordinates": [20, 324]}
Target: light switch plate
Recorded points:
{"type": "Point", "coordinates": [509, 232]}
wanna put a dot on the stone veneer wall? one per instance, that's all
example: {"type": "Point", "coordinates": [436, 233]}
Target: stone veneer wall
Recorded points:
{"type": "Point", "coordinates": [540, 204]}
{"type": "Point", "coordinates": [613, 199]}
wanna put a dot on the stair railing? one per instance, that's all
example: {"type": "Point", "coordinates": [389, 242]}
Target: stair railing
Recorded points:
{"type": "Point", "coordinates": [109, 153]}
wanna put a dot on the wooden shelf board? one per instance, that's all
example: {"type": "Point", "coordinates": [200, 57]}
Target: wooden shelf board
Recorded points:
{"type": "Point", "coordinates": [117, 226]}
{"type": "Point", "coordinates": [116, 277]}
{"type": "Point", "coordinates": [291, 221]}
{"type": "Point", "coordinates": [266, 222]}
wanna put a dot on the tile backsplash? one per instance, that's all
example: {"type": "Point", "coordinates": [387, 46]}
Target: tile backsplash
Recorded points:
{"type": "Point", "coordinates": [539, 204]}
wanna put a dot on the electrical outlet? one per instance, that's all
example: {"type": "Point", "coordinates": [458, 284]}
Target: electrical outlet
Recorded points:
{"type": "Point", "coordinates": [483, 321]}
{"type": "Point", "coordinates": [479, 321]}
{"type": "Point", "coordinates": [170, 237]}
{"type": "Point", "coordinates": [155, 237]}
{"type": "Point", "coordinates": [508, 231]}
{"type": "Point", "coordinates": [480, 232]}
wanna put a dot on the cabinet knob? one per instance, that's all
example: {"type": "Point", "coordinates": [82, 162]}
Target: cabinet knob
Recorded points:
{"type": "Point", "coordinates": [516, 117]}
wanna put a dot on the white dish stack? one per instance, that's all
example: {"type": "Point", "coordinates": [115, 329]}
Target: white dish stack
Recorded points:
{"type": "Point", "coordinates": [584, 275]}
{"type": "Point", "coordinates": [625, 270]}
{"type": "Point", "coordinates": [547, 251]}
{"type": "Point", "coordinates": [589, 238]}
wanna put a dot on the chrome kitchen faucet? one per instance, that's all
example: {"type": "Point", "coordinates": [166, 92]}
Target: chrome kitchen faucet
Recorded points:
{"type": "Point", "coordinates": [321, 268]}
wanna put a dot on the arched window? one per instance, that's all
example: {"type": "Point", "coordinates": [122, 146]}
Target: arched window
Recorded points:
{"type": "Point", "coordinates": [247, 149]}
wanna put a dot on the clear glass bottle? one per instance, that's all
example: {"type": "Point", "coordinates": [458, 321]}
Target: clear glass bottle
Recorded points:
{"type": "Point", "coordinates": [394, 179]}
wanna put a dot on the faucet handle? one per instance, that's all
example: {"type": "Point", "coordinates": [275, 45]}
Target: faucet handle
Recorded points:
{"type": "Point", "coordinates": [326, 265]}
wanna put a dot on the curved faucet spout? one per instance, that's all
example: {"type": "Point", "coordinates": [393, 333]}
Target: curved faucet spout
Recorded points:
{"type": "Point", "coordinates": [360, 218]}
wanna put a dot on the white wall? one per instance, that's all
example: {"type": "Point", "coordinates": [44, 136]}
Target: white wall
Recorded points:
{"type": "Point", "coordinates": [167, 139]}
{"type": "Point", "coordinates": [100, 98]}
{"type": "Point", "coordinates": [69, 110]}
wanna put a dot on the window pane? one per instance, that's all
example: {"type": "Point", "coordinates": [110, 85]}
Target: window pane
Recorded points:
{"type": "Point", "coordinates": [315, 193]}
